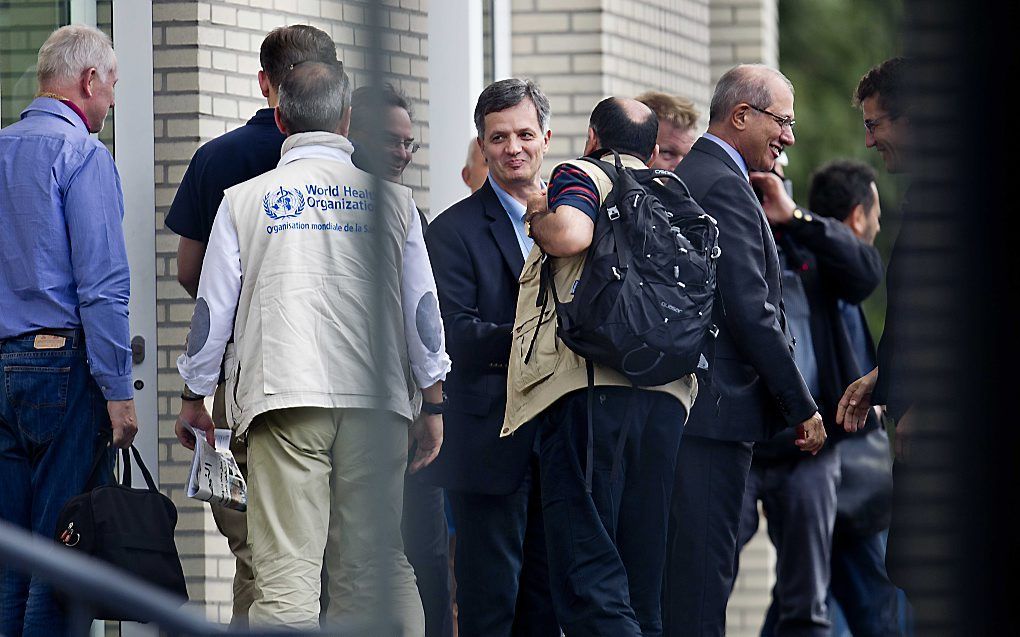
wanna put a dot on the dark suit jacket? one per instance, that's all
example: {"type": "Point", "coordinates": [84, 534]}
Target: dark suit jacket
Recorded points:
{"type": "Point", "coordinates": [753, 388]}
{"type": "Point", "coordinates": [832, 265]}
{"type": "Point", "coordinates": [894, 383]}
{"type": "Point", "coordinates": [477, 261]}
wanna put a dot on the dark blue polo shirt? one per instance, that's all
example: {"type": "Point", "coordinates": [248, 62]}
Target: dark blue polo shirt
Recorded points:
{"type": "Point", "coordinates": [226, 161]}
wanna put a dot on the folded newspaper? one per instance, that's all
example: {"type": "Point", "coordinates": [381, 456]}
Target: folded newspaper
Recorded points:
{"type": "Point", "coordinates": [215, 476]}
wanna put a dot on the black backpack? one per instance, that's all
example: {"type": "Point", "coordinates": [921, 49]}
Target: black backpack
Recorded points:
{"type": "Point", "coordinates": [643, 302]}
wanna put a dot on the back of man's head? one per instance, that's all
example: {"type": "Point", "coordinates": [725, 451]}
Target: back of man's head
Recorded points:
{"type": "Point", "coordinates": [626, 126]}
{"type": "Point", "coordinates": [72, 49]}
{"type": "Point", "coordinates": [887, 83]}
{"type": "Point", "coordinates": [369, 103]}
{"type": "Point", "coordinates": [314, 96]}
{"type": "Point", "coordinates": [840, 186]}
{"type": "Point", "coordinates": [744, 84]}
{"type": "Point", "coordinates": [286, 46]}
{"type": "Point", "coordinates": [508, 93]}
{"type": "Point", "coordinates": [672, 109]}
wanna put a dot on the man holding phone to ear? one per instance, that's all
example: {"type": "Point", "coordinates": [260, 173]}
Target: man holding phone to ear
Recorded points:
{"type": "Point", "coordinates": [824, 266]}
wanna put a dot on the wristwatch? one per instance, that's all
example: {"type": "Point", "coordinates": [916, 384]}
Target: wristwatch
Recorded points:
{"type": "Point", "coordinates": [189, 396]}
{"type": "Point", "coordinates": [434, 409]}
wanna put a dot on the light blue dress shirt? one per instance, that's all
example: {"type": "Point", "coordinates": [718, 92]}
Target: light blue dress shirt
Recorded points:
{"type": "Point", "coordinates": [732, 152]}
{"type": "Point", "coordinates": [63, 263]}
{"type": "Point", "coordinates": [515, 210]}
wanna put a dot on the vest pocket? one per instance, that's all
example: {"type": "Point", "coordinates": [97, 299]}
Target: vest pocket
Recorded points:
{"type": "Point", "coordinates": [536, 346]}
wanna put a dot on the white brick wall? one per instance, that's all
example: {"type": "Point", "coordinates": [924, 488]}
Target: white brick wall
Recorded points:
{"type": "Point", "coordinates": [205, 65]}
{"type": "Point", "coordinates": [743, 31]}
{"type": "Point", "coordinates": [580, 51]}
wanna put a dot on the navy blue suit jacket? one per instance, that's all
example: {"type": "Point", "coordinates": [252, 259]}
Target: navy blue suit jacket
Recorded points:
{"type": "Point", "coordinates": [477, 262]}
{"type": "Point", "coordinates": [754, 388]}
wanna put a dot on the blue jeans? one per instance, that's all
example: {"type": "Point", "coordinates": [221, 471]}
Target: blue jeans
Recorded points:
{"type": "Point", "coordinates": [52, 419]}
{"type": "Point", "coordinates": [870, 603]}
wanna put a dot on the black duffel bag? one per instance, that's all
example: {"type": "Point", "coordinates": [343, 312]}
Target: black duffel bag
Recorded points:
{"type": "Point", "coordinates": [864, 496]}
{"type": "Point", "coordinates": [131, 529]}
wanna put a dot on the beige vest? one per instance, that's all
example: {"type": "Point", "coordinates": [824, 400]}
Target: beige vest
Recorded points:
{"type": "Point", "coordinates": [554, 370]}
{"type": "Point", "coordinates": [319, 320]}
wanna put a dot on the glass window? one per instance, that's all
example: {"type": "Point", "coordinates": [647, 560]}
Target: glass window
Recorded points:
{"type": "Point", "coordinates": [24, 26]}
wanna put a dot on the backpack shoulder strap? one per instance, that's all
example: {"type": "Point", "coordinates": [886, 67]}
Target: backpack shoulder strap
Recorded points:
{"type": "Point", "coordinates": [599, 172]}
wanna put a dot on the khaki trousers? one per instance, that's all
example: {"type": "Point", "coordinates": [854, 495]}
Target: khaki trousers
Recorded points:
{"type": "Point", "coordinates": [233, 525]}
{"type": "Point", "coordinates": [317, 480]}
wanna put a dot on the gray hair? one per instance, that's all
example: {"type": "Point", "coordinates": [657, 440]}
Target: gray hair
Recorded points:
{"type": "Point", "coordinates": [314, 97]}
{"type": "Point", "coordinates": [747, 84]}
{"type": "Point", "coordinates": [72, 49]}
{"type": "Point", "coordinates": [508, 93]}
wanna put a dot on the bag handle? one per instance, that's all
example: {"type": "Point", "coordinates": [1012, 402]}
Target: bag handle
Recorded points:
{"type": "Point", "coordinates": [98, 456]}
{"type": "Point", "coordinates": [126, 464]}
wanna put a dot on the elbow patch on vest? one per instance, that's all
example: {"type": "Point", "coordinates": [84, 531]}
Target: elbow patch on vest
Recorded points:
{"type": "Point", "coordinates": [428, 322]}
{"type": "Point", "coordinates": [199, 333]}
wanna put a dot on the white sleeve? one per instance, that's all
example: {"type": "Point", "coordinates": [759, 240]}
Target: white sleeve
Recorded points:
{"type": "Point", "coordinates": [423, 324]}
{"type": "Point", "coordinates": [212, 323]}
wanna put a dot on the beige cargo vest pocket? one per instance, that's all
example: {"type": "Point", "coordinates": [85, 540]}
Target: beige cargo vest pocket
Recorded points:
{"type": "Point", "coordinates": [544, 350]}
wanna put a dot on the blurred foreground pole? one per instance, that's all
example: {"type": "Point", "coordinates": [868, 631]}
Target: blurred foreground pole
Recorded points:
{"type": "Point", "coordinates": [384, 585]}
{"type": "Point", "coordinates": [951, 547]}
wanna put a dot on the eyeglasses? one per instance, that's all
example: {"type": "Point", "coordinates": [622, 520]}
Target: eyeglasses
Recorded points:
{"type": "Point", "coordinates": [872, 124]}
{"type": "Point", "coordinates": [784, 122]}
{"type": "Point", "coordinates": [407, 144]}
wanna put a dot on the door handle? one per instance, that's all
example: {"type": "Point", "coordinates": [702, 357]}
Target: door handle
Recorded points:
{"type": "Point", "coordinates": [137, 349]}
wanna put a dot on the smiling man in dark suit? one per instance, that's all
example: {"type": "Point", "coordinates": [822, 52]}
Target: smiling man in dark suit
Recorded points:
{"type": "Point", "coordinates": [477, 247]}
{"type": "Point", "coordinates": [753, 388]}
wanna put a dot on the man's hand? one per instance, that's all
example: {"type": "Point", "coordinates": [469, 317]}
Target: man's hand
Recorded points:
{"type": "Point", "coordinates": [852, 411]}
{"type": "Point", "coordinates": [427, 431]}
{"type": "Point", "coordinates": [811, 434]}
{"type": "Point", "coordinates": [778, 205]}
{"type": "Point", "coordinates": [563, 232]}
{"type": "Point", "coordinates": [537, 209]}
{"type": "Point", "coordinates": [124, 422]}
{"type": "Point", "coordinates": [193, 413]}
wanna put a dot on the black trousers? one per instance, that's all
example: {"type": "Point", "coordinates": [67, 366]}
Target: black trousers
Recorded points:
{"type": "Point", "coordinates": [799, 500]}
{"type": "Point", "coordinates": [501, 567]}
{"type": "Point", "coordinates": [427, 546]}
{"type": "Point", "coordinates": [702, 545]}
{"type": "Point", "coordinates": [607, 546]}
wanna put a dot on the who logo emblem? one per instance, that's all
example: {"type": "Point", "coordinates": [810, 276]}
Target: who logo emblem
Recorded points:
{"type": "Point", "coordinates": [283, 203]}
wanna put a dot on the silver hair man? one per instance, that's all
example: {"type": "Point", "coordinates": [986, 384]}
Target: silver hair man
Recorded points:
{"type": "Point", "coordinates": [746, 83]}
{"type": "Point", "coordinates": [315, 96]}
{"type": "Point", "coordinates": [77, 63]}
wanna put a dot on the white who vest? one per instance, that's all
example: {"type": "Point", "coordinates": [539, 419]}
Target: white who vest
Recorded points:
{"type": "Point", "coordinates": [319, 320]}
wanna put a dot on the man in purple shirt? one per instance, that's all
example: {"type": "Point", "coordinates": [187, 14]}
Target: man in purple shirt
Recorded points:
{"type": "Point", "coordinates": [64, 285]}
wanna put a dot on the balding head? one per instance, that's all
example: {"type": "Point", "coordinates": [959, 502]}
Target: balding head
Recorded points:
{"type": "Point", "coordinates": [752, 111]}
{"type": "Point", "coordinates": [754, 84]}
{"type": "Point", "coordinates": [625, 125]}
{"type": "Point", "coordinates": [475, 170]}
